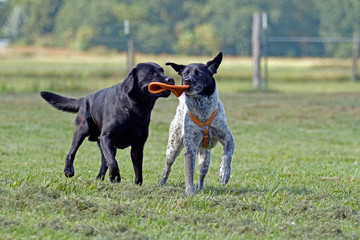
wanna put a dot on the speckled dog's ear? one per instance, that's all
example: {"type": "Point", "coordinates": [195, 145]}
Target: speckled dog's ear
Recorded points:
{"type": "Point", "coordinates": [176, 67]}
{"type": "Point", "coordinates": [214, 64]}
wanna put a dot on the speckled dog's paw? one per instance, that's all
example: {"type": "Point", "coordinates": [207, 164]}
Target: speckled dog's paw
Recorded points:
{"type": "Point", "coordinates": [224, 175]}
{"type": "Point", "coordinates": [190, 190]}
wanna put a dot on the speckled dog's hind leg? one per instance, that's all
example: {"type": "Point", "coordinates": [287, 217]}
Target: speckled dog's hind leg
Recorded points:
{"type": "Point", "coordinates": [175, 145]}
{"type": "Point", "coordinates": [225, 166]}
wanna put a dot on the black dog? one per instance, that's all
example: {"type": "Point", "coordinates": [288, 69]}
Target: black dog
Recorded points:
{"type": "Point", "coordinates": [115, 117]}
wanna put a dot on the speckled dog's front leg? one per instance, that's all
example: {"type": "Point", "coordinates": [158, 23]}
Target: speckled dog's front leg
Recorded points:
{"type": "Point", "coordinates": [225, 166]}
{"type": "Point", "coordinates": [192, 139]}
{"type": "Point", "coordinates": [203, 164]}
{"type": "Point", "coordinates": [189, 172]}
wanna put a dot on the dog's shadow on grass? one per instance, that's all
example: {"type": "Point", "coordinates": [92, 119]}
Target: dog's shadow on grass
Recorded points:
{"type": "Point", "coordinates": [218, 191]}
{"type": "Point", "coordinates": [272, 190]}
{"type": "Point", "coordinates": [179, 187]}
{"type": "Point", "coordinates": [210, 190]}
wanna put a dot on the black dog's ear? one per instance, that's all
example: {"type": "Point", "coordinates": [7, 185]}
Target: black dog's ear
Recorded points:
{"type": "Point", "coordinates": [131, 81]}
{"type": "Point", "coordinates": [176, 67]}
{"type": "Point", "coordinates": [214, 64]}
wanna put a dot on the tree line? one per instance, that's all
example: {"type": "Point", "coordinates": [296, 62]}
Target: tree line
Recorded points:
{"type": "Point", "coordinates": [194, 27]}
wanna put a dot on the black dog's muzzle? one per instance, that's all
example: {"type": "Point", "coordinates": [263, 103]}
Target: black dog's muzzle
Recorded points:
{"type": "Point", "coordinates": [170, 81]}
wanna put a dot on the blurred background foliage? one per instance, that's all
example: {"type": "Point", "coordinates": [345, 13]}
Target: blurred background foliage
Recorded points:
{"type": "Point", "coordinates": [189, 27]}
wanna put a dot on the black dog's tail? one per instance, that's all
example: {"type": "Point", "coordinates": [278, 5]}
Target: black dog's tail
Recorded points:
{"type": "Point", "coordinates": [62, 103]}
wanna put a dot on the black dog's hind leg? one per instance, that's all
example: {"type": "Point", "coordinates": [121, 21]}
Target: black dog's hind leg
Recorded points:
{"type": "Point", "coordinates": [103, 168]}
{"type": "Point", "coordinates": [81, 132]}
{"type": "Point", "coordinates": [109, 152]}
{"type": "Point", "coordinates": [137, 160]}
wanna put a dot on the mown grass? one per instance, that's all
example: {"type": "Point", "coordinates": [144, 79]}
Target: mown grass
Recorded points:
{"type": "Point", "coordinates": [295, 173]}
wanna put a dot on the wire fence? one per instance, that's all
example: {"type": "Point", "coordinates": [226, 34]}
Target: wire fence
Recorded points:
{"type": "Point", "coordinates": [289, 64]}
{"type": "Point", "coordinates": [311, 71]}
{"type": "Point", "coordinates": [303, 63]}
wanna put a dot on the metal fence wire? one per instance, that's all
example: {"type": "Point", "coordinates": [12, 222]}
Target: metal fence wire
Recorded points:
{"type": "Point", "coordinates": [319, 73]}
{"type": "Point", "coordinates": [304, 63]}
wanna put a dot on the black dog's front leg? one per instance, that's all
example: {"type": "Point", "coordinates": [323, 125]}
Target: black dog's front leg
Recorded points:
{"type": "Point", "coordinates": [109, 152]}
{"type": "Point", "coordinates": [137, 160]}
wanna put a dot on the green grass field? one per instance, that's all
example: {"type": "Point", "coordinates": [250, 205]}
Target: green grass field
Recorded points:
{"type": "Point", "coordinates": [295, 171]}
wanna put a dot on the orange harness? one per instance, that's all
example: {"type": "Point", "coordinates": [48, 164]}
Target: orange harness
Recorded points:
{"type": "Point", "coordinates": [204, 126]}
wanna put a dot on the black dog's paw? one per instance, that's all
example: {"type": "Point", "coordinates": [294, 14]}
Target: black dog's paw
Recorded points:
{"type": "Point", "coordinates": [69, 172]}
{"type": "Point", "coordinates": [115, 179]}
{"type": "Point", "coordinates": [138, 181]}
{"type": "Point", "coordinates": [100, 177]}
{"type": "Point", "coordinates": [114, 175]}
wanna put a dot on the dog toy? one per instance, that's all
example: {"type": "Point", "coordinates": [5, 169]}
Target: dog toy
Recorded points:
{"type": "Point", "coordinates": [157, 87]}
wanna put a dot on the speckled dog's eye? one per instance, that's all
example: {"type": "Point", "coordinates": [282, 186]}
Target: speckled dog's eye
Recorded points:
{"type": "Point", "coordinates": [197, 72]}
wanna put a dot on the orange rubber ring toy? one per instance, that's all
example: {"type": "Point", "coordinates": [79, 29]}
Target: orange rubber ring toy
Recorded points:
{"type": "Point", "coordinates": [157, 87]}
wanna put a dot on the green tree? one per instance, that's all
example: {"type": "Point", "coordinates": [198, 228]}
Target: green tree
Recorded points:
{"type": "Point", "coordinates": [41, 18]}
{"type": "Point", "coordinates": [201, 41]}
{"type": "Point", "coordinates": [294, 19]}
{"type": "Point", "coordinates": [14, 27]}
{"type": "Point", "coordinates": [4, 12]}
{"type": "Point", "coordinates": [339, 18]}
{"type": "Point", "coordinates": [152, 24]}
{"type": "Point", "coordinates": [232, 20]}
{"type": "Point", "coordinates": [183, 27]}
{"type": "Point", "coordinates": [90, 21]}
{"type": "Point", "coordinates": [37, 18]}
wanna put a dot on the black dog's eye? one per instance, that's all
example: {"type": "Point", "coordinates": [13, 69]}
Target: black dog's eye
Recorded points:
{"type": "Point", "coordinates": [197, 72]}
{"type": "Point", "coordinates": [152, 72]}
{"type": "Point", "coordinates": [186, 73]}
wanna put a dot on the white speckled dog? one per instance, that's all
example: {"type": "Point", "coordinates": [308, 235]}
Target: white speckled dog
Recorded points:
{"type": "Point", "coordinates": [198, 125]}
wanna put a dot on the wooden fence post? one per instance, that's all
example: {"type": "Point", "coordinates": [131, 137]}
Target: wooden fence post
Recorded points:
{"type": "Point", "coordinates": [130, 47]}
{"type": "Point", "coordinates": [355, 55]}
{"type": "Point", "coordinates": [130, 55]}
{"type": "Point", "coordinates": [265, 50]}
{"type": "Point", "coordinates": [256, 49]}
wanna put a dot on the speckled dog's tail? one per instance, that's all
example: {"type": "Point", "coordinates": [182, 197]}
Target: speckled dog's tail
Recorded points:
{"type": "Point", "coordinates": [62, 103]}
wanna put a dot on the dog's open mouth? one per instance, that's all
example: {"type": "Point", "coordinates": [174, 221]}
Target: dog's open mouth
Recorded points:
{"type": "Point", "coordinates": [157, 87]}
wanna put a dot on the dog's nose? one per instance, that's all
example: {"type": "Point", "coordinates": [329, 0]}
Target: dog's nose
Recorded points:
{"type": "Point", "coordinates": [187, 81]}
{"type": "Point", "coordinates": [170, 80]}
